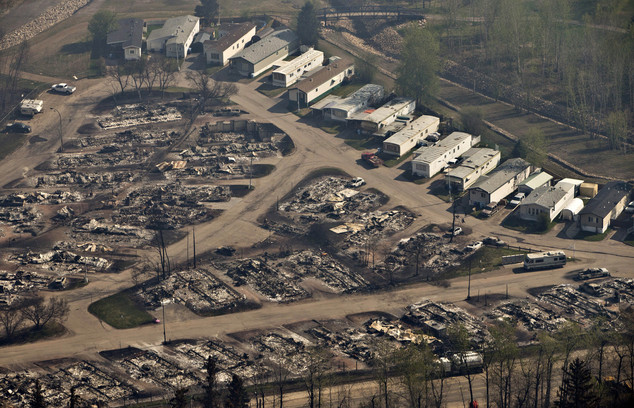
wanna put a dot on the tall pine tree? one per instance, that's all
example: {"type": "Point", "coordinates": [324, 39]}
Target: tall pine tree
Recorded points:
{"type": "Point", "coordinates": [211, 394]}
{"type": "Point", "coordinates": [237, 396]}
{"type": "Point", "coordinates": [577, 387]}
{"type": "Point", "coordinates": [308, 25]}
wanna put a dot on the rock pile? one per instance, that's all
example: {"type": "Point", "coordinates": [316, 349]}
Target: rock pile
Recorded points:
{"type": "Point", "coordinates": [47, 19]}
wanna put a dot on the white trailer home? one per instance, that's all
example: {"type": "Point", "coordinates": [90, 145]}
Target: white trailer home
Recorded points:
{"type": "Point", "coordinates": [290, 72]}
{"type": "Point", "coordinates": [430, 160]}
{"type": "Point", "coordinates": [407, 138]}
{"type": "Point", "coordinates": [500, 183]}
{"type": "Point", "coordinates": [372, 122]}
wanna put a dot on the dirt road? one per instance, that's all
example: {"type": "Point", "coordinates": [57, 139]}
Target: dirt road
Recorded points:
{"type": "Point", "coordinates": [238, 226]}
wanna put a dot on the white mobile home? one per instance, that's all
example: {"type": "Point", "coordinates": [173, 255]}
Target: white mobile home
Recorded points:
{"type": "Point", "coordinates": [546, 200]}
{"type": "Point", "coordinates": [371, 122]}
{"type": "Point", "coordinates": [430, 160]}
{"type": "Point", "coordinates": [499, 183]}
{"type": "Point", "coordinates": [231, 40]}
{"type": "Point", "coordinates": [262, 55]}
{"type": "Point", "coordinates": [606, 206]}
{"type": "Point", "coordinates": [322, 81]}
{"type": "Point", "coordinates": [291, 72]}
{"type": "Point", "coordinates": [407, 138]}
{"type": "Point", "coordinates": [477, 162]}
{"type": "Point", "coordinates": [534, 181]}
{"type": "Point", "coordinates": [175, 37]}
{"type": "Point", "coordinates": [359, 100]}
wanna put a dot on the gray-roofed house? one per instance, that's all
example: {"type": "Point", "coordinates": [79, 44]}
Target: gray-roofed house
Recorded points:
{"type": "Point", "coordinates": [606, 206]}
{"type": "Point", "coordinates": [430, 160]}
{"type": "Point", "coordinates": [232, 39]}
{"type": "Point", "coordinates": [534, 181]}
{"type": "Point", "coordinates": [262, 55]}
{"type": "Point", "coordinates": [499, 183]}
{"type": "Point", "coordinates": [127, 38]}
{"type": "Point", "coordinates": [175, 37]}
{"type": "Point", "coordinates": [359, 100]}
{"type": "Point", "coordinates": [477, 161]}
{"type": "Point", "coordinates": [545, 199]}
{"type": "Point", "coordinates": [407, 138]}
{"type": "Point", "coordinates": [322, 81]}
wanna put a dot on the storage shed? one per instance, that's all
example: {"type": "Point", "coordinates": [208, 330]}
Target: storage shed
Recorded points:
{"type": "Point", "coordinates": [571, 212]}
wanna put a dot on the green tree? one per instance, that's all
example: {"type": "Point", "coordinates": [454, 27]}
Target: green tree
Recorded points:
{"type": "Point", "coordinates": [533, 147]}
{"type": "Point", "coordinates": [100, 24]}
{"type": "Point", "coordinates": [578, 388]}
{"type": "Point", "coordinates": [616, 129]}
{"type": "Point", "coordinates": [237, 396]}
{"type": "Point", "coordinates": [417, 74]}
{"type": "Point", "coordinates": [308, 25]}
{"type": "Point", "coordinates": [209, 10]}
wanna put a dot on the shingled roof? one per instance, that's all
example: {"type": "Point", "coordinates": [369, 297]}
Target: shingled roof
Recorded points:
{"type": "Point", "coordinates": [129, 33]}
{"type": "Point", "coordinates": [606, 199]}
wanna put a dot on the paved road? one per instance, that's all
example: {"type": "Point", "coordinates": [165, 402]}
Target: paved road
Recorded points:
{"type": "Point", "coordinates": [238, 226]}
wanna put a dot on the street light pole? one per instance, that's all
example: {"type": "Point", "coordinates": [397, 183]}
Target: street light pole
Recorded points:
{"type": "Point", "coordinates": [61, 139]}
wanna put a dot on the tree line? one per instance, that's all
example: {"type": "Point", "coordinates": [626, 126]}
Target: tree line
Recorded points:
{"type": "Point", "coordinates": [35, 310]}
{"type": "Point", "coordinates": [541, 50]}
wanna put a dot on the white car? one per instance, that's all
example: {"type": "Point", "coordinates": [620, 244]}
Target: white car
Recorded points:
{"type": "Point", "coordinates": [456, 231]}
{"type": "Point", "coordinates": [474, 247]}
{"type": "Point", "coordinates": [356, 182]}
{"type": "Point", "coordinates": [63, 88]}
{"type": "Point", "coordinates": [630, 207]}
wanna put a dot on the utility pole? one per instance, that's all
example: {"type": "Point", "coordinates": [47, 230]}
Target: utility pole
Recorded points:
{"type": "Point", "coordinates": [251, 172]}
{"type": "Point", "coordinates": [194, 244]}
{"type": "Point", "coordinates": [469, 284]}
{"type": "Point", "coordinates": [164, 336]}
{"type": "Point", "coordinates": [61, 139]}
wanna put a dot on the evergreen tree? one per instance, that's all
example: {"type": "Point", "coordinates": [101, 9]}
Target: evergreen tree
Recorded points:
{"type": "Point", "coordinates": [180, 398]}
{"type": "Point", "coordinates": [236, 394]}
{"type": "Point", "coordinates": [577, 387]}
{"type": "Point", "coordinates": [37, 400]}
{"type": "Point", "coordinates": [101, 23]}
{"type": "Point", "coordinates": [209, 10]}
{"type": "Point", "coordinates": [211, 395]}
{"type": "Point", "coordinates": [308, 25]}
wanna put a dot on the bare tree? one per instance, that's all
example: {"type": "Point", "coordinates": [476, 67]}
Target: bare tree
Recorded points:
{"type": "Point", "coordinates": [383, 363]}
{"type": "Point", "coordinates": [164, 260]}
{"type": "Point", "coordinates": [166, 73]}
{"type": "Point", "coordinates": [316, 367]}
{"type": "Point", "coordinates": [208, 89]}
{"type": "Point", "coordinates": [11, 63]}
{"type": "Point", "coordinates": [11, 319]}
{"type": "Point", "coordinates": [40, 313]}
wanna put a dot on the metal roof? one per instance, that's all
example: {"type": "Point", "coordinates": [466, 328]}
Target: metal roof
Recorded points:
{"type": "Point", "coordinates": [267, 46]}
{"type": "Point", "coordinates": [475, 158]}
{"type": "Point", "coordinates": [606, 199]}
{"type": "Point", "coordinates": [536, 180]}
{"type": "Point", "coordinates": [324, 75]}
{"type": "Point", "coordinates": [413, 129]}
{"type": "Point", "coordinates": [299, 62]}
{"type": "Point", "coordinates": [233, 33]}
{"type": "Point", "coordinates": [545, 196]}
{"type": "Point", "coordinates": [501, 175]}
{"type": "Point", "coordinates": [428, 154]}
{"type": "Point", "coordinates": [385, 111]}
{"type": "Point", "coordinates": [177, 28]}
{"type": "Point", "coordinates": [575, 205]}
{"type": "Point", "coordinates": [358, 98]}
{"type": "Point", "coordinates": [129, 33]}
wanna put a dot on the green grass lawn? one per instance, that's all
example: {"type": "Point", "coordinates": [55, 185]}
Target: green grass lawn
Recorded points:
{"type": "Point", "coordinates": [360, 142]}
{"type": "Point", "coordinates": [484, 260]}
{"type": "Point", "coordinates": [10, 142]}
{"type": "Point", "coordinates": [591, 236]}
{"type": "Point", "coordinates": [515, 223]}
{"type": "Point", "coordinates": [120, 311]}
{"type": "Point", "coordinates": [346, 90]}
{"type": "Point", "coordinates": [270, 90]}
{"type": "Point", "coordinates": [396, 161]}
{"type": "Point", "coordinates": [28, 335]}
